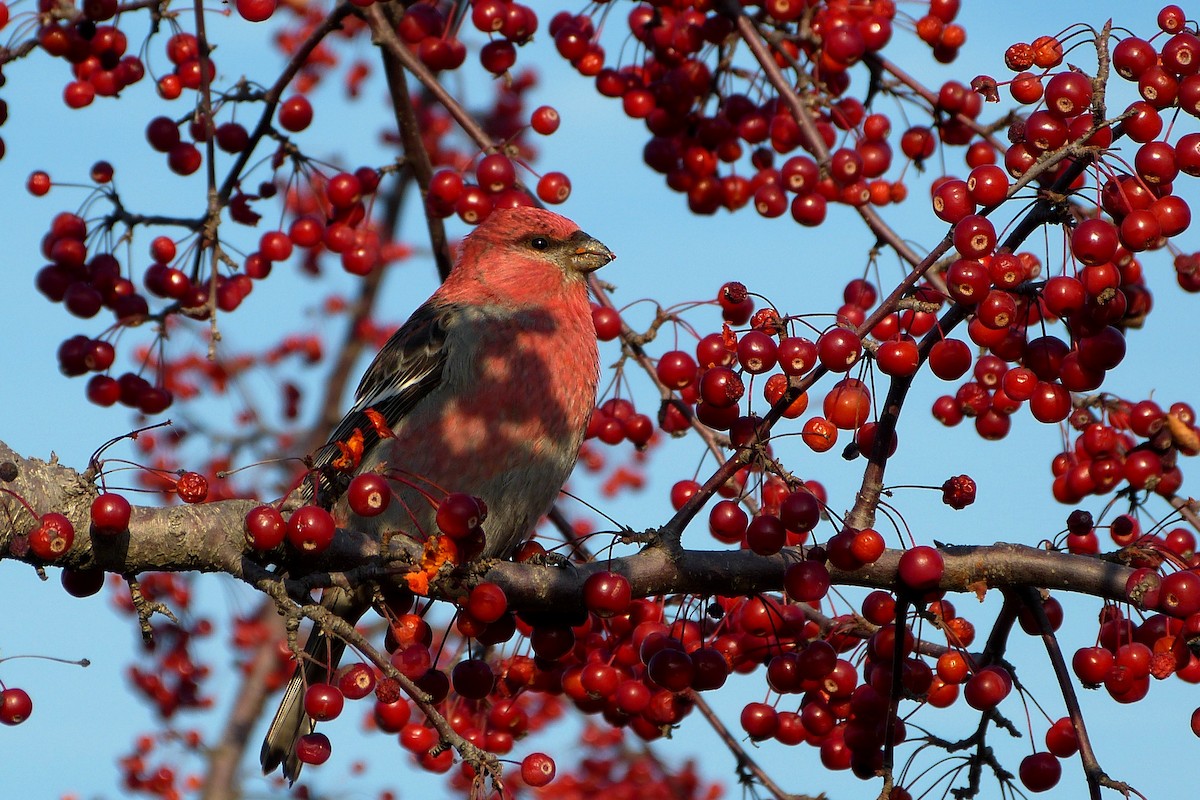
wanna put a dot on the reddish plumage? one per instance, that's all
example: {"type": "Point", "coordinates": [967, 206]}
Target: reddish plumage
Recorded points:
{"type": "Point", "coordinates": [487, 389]}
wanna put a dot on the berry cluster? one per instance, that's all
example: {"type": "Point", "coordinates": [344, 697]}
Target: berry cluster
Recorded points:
{"type": "Point", "coordinates": [96, 52]}
{"type": "Point", "coordinates": [782, 133]}
{"type": "Point", "coordinates": [170, 676]}
{"type": "Point", "coordinates": [139, 775]}
{"type": "Point", "coordinates": [698, 144]}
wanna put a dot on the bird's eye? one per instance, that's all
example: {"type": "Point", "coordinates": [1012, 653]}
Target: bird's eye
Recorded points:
{"type": "Point", "coordinates": [539, 243]}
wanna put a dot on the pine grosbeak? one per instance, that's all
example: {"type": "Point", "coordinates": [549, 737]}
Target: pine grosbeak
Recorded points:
{"type": "Point", "coordinates": [487, 389]}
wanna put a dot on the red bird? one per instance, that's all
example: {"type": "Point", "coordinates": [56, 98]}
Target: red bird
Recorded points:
{"type": "Point", "coordinates": [487, 388]}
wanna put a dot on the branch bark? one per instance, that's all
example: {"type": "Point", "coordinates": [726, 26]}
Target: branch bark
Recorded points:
{"type": "Point", "coordinates": [208, 538]}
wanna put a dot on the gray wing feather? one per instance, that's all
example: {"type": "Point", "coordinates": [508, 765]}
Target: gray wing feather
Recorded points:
{"type": "Point", "coordinates": [406, 370]}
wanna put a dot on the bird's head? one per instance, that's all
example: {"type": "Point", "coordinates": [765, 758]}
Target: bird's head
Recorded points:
{"type": "Point", "coordinates": [528, 239]}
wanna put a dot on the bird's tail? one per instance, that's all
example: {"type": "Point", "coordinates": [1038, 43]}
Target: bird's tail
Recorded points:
{"type": "Point", "coordinates": [322, 653]}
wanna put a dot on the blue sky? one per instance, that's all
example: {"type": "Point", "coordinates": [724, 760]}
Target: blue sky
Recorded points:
{"type": "Point", "coordinates": [663, 253]}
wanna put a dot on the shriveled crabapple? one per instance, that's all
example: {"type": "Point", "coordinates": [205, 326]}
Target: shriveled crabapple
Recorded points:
{"type": "Point", "coordinates": [819, 434]}
{"type": "Point", "coordinates": [313, 748]}
{"type": "Point", "coordinates": [958, 492]}
{"type": "Point", "coordinates": [192, 487]}
{"type": "Point", "coordinates": [735, 300]}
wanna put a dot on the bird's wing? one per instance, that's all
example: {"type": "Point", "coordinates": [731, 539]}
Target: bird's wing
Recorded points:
{"type": "Point", "coordinates": [405, 371]}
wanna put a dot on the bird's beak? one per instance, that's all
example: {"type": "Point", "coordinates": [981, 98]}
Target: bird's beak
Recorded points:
{"type": "Point", "coordinates": [590, 255]}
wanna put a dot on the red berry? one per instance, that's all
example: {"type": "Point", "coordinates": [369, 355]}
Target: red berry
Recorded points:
{"type": "Point", "coordinates": [848, 404]}
{"type": "Point", "coordinates": [473, 678]}
{"type": "Point", "coordinates": [459, 514]}
{"type": "Point", "coordinates": [82, 582]}
{"type": "Point", "coordinates": [766, 535]}
{"type": "Point", "coordinates": [537, 769]}
{"type": "Point", "coordinates": [356, 681]}
{"type": "Point", "coordinates": [950, 359]}
{"type": "Point", "coordinates": [545, 120]}
{"type": "Point", "coordinates": [38, 183]}
{"type": "Point", "coordinates": [184, 158]}
{"type": "Point", "coordinates": [921, 568]}
{"type": "Point", "coordinates": [323, 701]}
{"type": "Point", "coordinates": [265, 528]}
{"type": "Point", "coordinates": [796, 355]}
{"type": "Point", "coordinates": [607, 323]}
{"type": "Point", "coordinates": [110, 514]}
{"type": "Point", "coordinates": [369, 494]}
{"type": "Point", "coordinates": [295, 113]}
{"type": "Point", "coordinates": [15, 706]}
{"type": "Point", "coordinates": [800, 511]}
{"type": "Point", "coordinates": [721, 387]}
{"type": "Point", "coordinates": [310, 529]}
{"type": "Point", "coordinates": [759, 721]}
{"type": "Point", "coordinates": [606, 594]}
{"type": "Point", "coordinates": [757, 352]}
{"type": "Point", "coordinates": [806, 581]}
{"type": "Point", "coordinates": [1180, 595]}
{"type": "Point", "coordinates": [256, 10]}
{"type": "Point", "coordinates": [676, 369]}
{"type": "Point", "coordinates": [487, 603]}
{"type": "Point", "coordinates": [974, 236]}
{"type": "Point", "coordinates": [898, 358]}
{"type": "Point", "coordinates": [391, 717]}
{"type": "Point", "coordinates": [554, 188]}
{"type": "Point", "coordinates": [495, 172]}
{"type": "Point", "coordinates": [1094, 241]}
{"type": "Point", "coordinates": [727, 521]}
{"type": "Point", "coordinates": [987, 688]}
{"type": "Point", "coordinates": [53, 536]}
{"type": "Point", "coordinates": [838, 349]}
{"type": "Point", "coordinates": [1040, 772]}
{"type": "Point", "coordinates": [313, 748]}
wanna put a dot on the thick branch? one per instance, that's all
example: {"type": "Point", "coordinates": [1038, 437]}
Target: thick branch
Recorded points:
{"type": "Point", "coordinates": [969, 568]}
{"type": "Point", "coordinates": [209, 538]}
{"type": "Point", "coordinates": [200, 538]}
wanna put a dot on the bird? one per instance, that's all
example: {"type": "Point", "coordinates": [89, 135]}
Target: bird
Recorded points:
{"type": "Point", "coordinates": [487, 390]}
